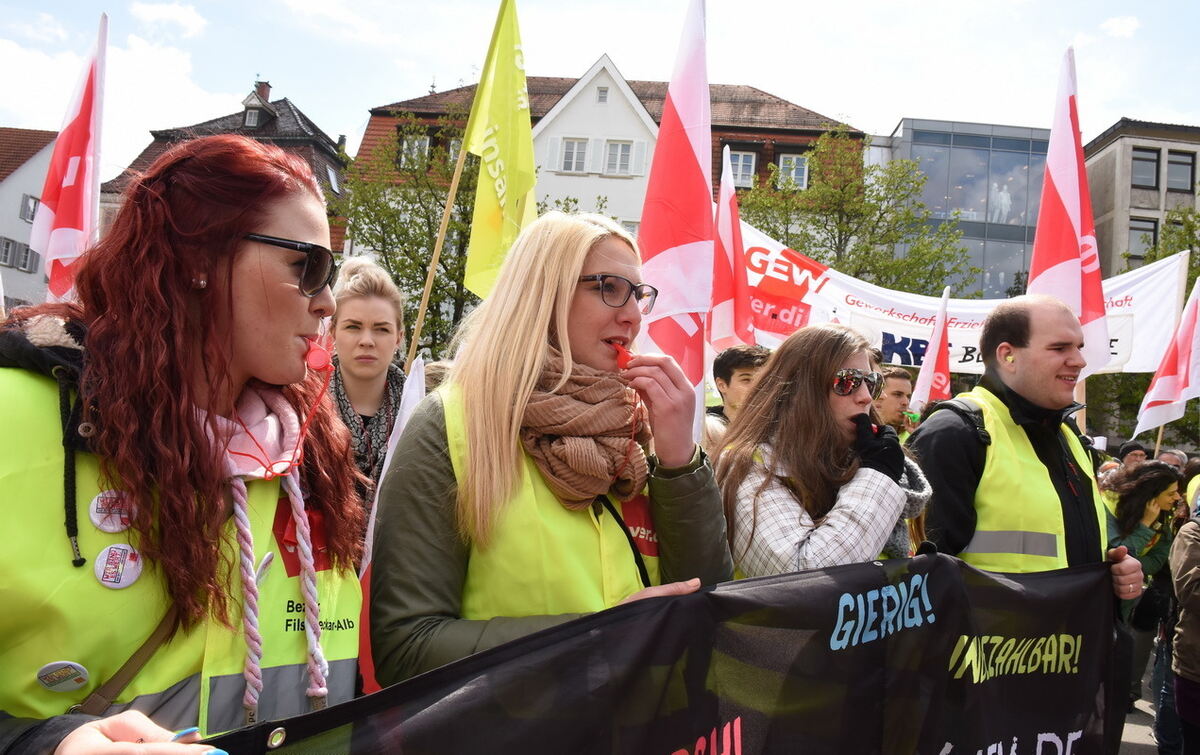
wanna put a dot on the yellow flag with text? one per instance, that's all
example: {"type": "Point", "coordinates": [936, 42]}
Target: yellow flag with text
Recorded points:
{"type": "Point", "coordinates": [500, 133]}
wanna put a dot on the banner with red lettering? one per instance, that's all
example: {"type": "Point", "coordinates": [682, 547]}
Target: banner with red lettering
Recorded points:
{"type": "Point", "coordinates": [789, 290]}
{"type": "Point", "coordinates": [901, 656]}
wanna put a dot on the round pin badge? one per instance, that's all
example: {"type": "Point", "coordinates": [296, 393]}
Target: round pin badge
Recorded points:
{"type": "Point", "coordinates": [118, 566]}
{"type": "Point", "coordinates": [62, 676]}
{"type": "Point", "coordinates": [111, 511]}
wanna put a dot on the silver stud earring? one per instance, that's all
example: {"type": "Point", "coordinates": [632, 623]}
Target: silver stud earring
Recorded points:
{"type": "Point", "coordinates": [199, 282]}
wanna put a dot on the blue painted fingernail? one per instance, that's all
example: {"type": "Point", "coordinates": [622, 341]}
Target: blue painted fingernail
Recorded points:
{"type": "Point", "coordinates": [185, 732]}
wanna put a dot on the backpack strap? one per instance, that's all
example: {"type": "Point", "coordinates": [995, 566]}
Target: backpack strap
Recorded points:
{"type": "Point", "coordinates": [972, 413]}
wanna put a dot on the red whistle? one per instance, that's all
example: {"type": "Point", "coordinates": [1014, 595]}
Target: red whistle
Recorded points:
{"type": "Point", "coordinates": [317, 357]}
{"type": "Point", "coordinates": [623, 355]}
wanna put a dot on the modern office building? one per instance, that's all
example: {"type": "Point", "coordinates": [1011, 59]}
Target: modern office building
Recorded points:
{"type": "Point", "coordinates": [1137, 172]}
{"type": "Point", "coordinates": [991, 177]}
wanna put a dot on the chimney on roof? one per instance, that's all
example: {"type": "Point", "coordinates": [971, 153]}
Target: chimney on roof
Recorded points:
{"type": "Point", "coordinates": [341, 144]}
{"type": "Point", "coordinates": [263, 90]}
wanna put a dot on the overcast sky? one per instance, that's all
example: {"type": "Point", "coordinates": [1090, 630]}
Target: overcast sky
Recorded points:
{"type": "Point", "coordinates": [867, 63]}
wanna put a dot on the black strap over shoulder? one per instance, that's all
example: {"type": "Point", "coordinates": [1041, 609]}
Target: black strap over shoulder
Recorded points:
{"type": "Point", "coordinates": [971, 413]}
{"type": "Point", "coordinates": [637, 555]}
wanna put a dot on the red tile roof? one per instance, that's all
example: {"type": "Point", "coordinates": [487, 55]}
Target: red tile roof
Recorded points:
{"type": "Point", "coordinates": [733, 105]}
{"type": "Point", "coordinates": [17, 145]}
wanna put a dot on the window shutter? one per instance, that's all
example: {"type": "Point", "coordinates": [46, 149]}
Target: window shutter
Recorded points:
{"type": "Point", "coordinates": [637, 165]}
{"type": "Point", "coordinates": [554, 156]}
{"type": "Point", "coordinates": [596, 156]}
{"type": "Point", "coordinates": [34, 259]}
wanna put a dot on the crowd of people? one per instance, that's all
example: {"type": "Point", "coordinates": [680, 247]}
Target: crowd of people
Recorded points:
{"type": "Point", "coordinates": [194, 473]}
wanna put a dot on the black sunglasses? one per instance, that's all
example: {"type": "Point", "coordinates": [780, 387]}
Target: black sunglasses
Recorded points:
{"type": "Point", "coordinates": [847, 381]}
{"type": "Point", "coordinates": [615, 291]}
{"type": "Point", "coordinates": [319, 271]}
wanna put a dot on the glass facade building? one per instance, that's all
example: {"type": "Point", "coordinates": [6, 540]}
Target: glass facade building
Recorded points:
{"type": "Point", "coordinates": [991, 176]}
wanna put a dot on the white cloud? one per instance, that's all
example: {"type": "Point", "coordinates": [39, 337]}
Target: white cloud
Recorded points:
{"type": "Point", "coordinates": [1121, 26]}
{"type": "Point", "coordinates": [169, 15]}
{"type": "Point", "coordinates": [45, 28]}
{"type": "Point", "coordinates": [148, 86]}
{"type": "Point", "coordinates": [337, 20]}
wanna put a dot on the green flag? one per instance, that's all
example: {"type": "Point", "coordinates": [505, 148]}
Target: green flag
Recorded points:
{"type": "Point", "coordinates": [499, 132]}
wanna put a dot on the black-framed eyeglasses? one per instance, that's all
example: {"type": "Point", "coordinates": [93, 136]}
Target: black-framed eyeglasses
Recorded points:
{"type": "Point", "coordinates": [615, 291]}
{"type": "Point", "coordinates": [847, 381]}
{"type": "Point", "coordinates": [319, 271]}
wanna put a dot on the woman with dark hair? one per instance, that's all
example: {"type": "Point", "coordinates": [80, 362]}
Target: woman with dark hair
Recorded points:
{"type": "Point", "coordinates": [809, 477]}
{"type": "Point", "coordinates": [205, 574]}
{"type": "Point", "coordinates": [1146, 496]}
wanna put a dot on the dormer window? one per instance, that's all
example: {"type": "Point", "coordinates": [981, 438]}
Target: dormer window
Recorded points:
{"type": "Point", "coordinates": [252, 115]}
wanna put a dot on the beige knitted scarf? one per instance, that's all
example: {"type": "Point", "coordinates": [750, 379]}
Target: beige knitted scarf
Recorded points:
{"type": "Point", "coordinates": [587, 437]}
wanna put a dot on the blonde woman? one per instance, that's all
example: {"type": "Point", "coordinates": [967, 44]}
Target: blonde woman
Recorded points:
{"type": "Point", "coordinates": [523, 494]}
{"type": "Point", "coordinates": [368, 332]}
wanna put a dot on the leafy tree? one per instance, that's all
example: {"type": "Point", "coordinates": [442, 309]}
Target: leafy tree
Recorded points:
{"type": "Point", "coordinates": [854, 218]}
{"type": "Point", "coordinates": [393, 199]}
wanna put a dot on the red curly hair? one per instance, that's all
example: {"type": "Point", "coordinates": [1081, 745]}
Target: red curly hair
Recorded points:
{"type": "Point", "coordinates": [150, 333]}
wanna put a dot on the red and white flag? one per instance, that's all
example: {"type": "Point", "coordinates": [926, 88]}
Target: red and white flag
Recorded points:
{"type": "Point", "coordinates": [1178, 376]}
{"type": "Point", "coordinates": [67, 220]}
{"type": "Point", "coordinates": [730, 322]}
{"type": "Point", "coordinates": [676, 232]}
{"type": "Point", "coordinates": [933, 381]}
{"type": "Point", "coordinates": [1064, 263]}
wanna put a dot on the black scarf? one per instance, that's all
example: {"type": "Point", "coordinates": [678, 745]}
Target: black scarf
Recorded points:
{"type": "Point", "coordinates": [368, 438]}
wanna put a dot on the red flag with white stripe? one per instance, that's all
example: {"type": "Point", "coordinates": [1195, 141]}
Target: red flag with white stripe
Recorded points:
{"type": "Point", "coordinates": [1178, 376]}
{"type": "Point", "coordinates": [67, 220]}
{"type": "Point", "coordinates": [730, 322]}
{"type": "Point", "coordinates": [1064, 263]}
{"type": "Point", "coordinates": [676, 232]}
{"type": "Point", "coordinates": [933, 381]}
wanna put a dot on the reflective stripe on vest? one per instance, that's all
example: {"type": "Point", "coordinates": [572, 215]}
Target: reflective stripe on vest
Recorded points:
{"type": "Point", "coordinates": [1019, 517]}
{"type": "Point", "coordinates": [546, 559]}
{"type": "Point", "coordinates": [284, 691]}
{"type": "Point", "coordinates": [56, 612]}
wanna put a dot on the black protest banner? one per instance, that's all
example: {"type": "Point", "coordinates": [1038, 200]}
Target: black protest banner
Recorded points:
{"type": "Point", "coordinates": [920, 655]}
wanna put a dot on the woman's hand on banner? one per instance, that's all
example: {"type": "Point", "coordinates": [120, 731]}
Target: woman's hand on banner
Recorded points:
{"type": "Point", "coordinates": [130, 732]}
{"type": "Point", "coordinates": [667, 590]}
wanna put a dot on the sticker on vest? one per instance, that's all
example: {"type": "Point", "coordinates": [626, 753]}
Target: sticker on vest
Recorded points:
{"type": "Point", "coordinates": [118, 566]}
{"type": "Point", "coordinates": [62, 676]}
{"type": "Point", "coordinates": [636, 513]}
{"type": "Point", "coordinates": [111, 511]}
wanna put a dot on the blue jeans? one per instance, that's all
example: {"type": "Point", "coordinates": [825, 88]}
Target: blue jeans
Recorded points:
{"type": "Point", "coordinates": [1162, 690]}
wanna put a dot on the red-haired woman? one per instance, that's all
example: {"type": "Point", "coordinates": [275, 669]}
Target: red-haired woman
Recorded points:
{"type": "Point", "coordinates": [172, 415]}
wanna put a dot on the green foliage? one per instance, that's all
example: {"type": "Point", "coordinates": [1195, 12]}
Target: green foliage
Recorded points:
{"type": "Point", "coordinates": [854, 218]}
{"type": "Point", "coordinates": [393, 201]}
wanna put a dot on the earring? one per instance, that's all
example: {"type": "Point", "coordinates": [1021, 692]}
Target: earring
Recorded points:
{"type": "Point", "coordinates": [200, 283]}
{"type": "Point", "coordinates": [1008, 359]}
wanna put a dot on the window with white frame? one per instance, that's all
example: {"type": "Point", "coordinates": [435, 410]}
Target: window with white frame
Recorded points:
{"type": "Point", "coordinates": [452, 152]}
{"type": "Point", "coordinates": [631, 227]}
{"type": "Point", "coordinates": [793, 172]}
{"type": "Point", "coordinates": [601, 94]}
{"type": "Point", "coordinates": [27, 259]}
{"type": "Point", "coordinates": [742, 165]}
{"type": "Point", "coordinates": [334, 185]}
{"type": "Point", "coordinates": [8, 251]}
{"type": "Point", "coordinates": [29, 205]}
{"type": "Point", "coordinates": [251, 118]}
{"type": "Point", "coordinates": [413, 150]}
{"type": "Point", "coordinates": [616, 162]}
{"type": "Point", "coordinates": [574, 155]}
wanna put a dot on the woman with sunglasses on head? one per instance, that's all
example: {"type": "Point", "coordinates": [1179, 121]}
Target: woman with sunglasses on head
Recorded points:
{"type": "Point", "coordinates": [368, 332]}
{"type": "Point", "coordinates": [177, 413]}
{"type": "Point", "coordinates": [809, 478]}
{"type": "Point", "coordinates": [522, 494]}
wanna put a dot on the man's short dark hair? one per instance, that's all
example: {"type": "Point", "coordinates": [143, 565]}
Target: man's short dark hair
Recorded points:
{"type": "Point", "coordinates": [1008, 322]}
{"type": "Point", "coordinates": [897, 373]}
{"type": "Point", "coordinates": [739, 357]}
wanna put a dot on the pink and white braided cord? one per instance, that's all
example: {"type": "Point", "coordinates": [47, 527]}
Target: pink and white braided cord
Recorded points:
{"type": "Point", "coordinates": [252, 668]}
{"type": "Point", "coordinates": [318, 667]}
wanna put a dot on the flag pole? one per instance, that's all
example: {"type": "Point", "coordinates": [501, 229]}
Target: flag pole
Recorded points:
{"type": "Point", "coordinates": [433, 262]}
{"type": "Point", "coordinates": [1158, 440]}
{"type": "Point", "coordinates": [1081, 397]}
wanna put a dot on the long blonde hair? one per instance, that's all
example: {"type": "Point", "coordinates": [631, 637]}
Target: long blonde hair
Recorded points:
{"type": "Point", "coordinates": [502, 349]}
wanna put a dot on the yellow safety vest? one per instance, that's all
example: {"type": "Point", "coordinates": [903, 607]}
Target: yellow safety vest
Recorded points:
{"type": "Point", "coordinates": [54, 611]}
{"type": "Point", "coordinates": [545, 559]}
{"type": "Point", "coordinates": [1019, 526]}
